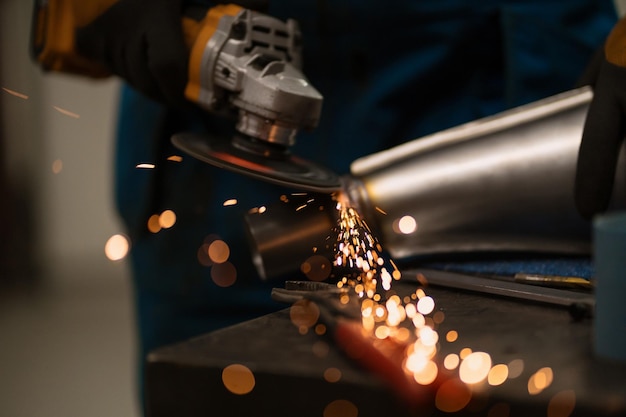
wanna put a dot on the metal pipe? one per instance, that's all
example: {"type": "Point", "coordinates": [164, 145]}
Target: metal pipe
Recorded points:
{"type": "Point", "coordinates": [502, 183]}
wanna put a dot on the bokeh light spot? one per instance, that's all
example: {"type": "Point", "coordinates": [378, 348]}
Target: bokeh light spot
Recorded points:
{"type": "Point", "coordinates": [452, 396]}
{"type": "Point", "coordinates": [475, 367]}
{"type": "Point", "coordinates": [320, 349]}
{"type": "Point", "coordinates": [465, 352]}
{"type": "Point", "coordinates": [452, 336]}
{"type": "Point", "coordinates": [167, 219]}
{"type": "Point", "coordinates": [320, 329]}
{"type": "Point", "coordinates": [405, 225]}
{"type": "Point", "coordinates": [498, 374]}
{"type": "Point", "coordinates": [439, 317]}
{"type": "Point", "coordinates": [304, 313]}
{"type": "Point", "coordinates": [562, 404]}
{"type": "Point", "coordinates": [516, 367]}
{"type": "Point", "coordinates": [57, 166]}
{"type": "Point", "coordinates": [427, 374]}
{"type": "Point", "coordinates": [341, 408]}
{"type": "Point", "coordinates": [203, 255]}
{"type": "Point", "coordinates": [425, 305]}
{"type": "Point", "coordinates": [332, 375]}
{"type": "Point", "coordinates": [238, 379]}
{"type": "Point", "coordinates": [451, 361]}
{"type": "Point", "coordinates": [219, 251]}
{"type": "Point", "coordinates": [154, 225]}
{"type": "Point", "coordinates": [540, 380]}
{"type": "Point", "coordinates": [316, 268]}
{"type": "Point", "coordinates": [116, 247]}
{"type": "Point", "coordinates": [224, 274]}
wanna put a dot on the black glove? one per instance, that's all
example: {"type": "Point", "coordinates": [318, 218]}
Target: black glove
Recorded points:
{"type": "Point", "coordinates": [142, 42]}
{"type": "Point", "coordinates": [604, 127]}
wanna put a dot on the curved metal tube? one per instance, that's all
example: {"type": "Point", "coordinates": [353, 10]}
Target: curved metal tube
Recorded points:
{"type": "Point", "coordinates": [502, 183]}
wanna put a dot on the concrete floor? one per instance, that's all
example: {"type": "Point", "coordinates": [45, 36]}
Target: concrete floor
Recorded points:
{"type": "Point", "coordinates": [67, 344]}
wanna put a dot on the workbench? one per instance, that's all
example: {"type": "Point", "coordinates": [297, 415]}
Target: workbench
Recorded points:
{"type": "Point", "coordinates": [185, 380]}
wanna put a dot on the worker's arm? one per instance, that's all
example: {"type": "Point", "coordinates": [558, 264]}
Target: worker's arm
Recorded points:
{"type": "Point", "coordinates": [604, 129]}
{"type": "Point", "coordinates": [139, 40]}
{"type": "Point", "coordinates": [145, 42]}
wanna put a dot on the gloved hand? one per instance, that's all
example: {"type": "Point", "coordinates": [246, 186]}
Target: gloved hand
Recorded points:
{"type": "Point", "coordinates": [605, 125]}
{"type": "Point", "coordinates": [142, 42]}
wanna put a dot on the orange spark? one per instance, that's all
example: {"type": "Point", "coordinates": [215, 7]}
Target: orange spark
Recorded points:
{"type": "Point", "coordinates": [66, 112]}
{"type": "Point", "coordinates": [15, 93]}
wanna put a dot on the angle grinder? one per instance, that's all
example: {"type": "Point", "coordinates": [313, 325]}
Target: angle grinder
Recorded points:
{"type": "Point", "coordinates": [242, 64]}
{"type": "Point", "coordinates": [248, 62]}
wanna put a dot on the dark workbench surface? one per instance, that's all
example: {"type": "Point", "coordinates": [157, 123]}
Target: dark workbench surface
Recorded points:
{"type": "Point", "coordinates": [186, 379]}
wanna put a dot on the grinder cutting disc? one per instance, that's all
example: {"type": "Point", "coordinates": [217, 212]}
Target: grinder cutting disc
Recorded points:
{"type": "Point", "coordinates": [258, 159]}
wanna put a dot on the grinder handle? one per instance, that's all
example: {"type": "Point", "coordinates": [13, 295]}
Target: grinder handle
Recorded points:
{"type": "Point", "coordinates": [55, 23]}
{"type": "Point", "coordinates": [52, 35]}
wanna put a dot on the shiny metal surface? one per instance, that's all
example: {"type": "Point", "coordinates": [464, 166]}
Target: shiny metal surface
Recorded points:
{"type": "Point", "coordinates": [258, 159]}
{"type": "Point", "coordinates": [252, 63]}
{"type": "Point", "coordinates": [288, 233]}
{"type": "Point", "coordinates": [503, 183]}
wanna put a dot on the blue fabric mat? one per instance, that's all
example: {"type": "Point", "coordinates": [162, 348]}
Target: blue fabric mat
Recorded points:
{"type": "Point", "coordinates": [576, 267]}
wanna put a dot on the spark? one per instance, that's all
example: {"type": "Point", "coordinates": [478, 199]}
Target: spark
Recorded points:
{"type": "Point", "coordinates": [230, 202]}
{"type": "Point", "coordinates": [15, 93]}
{"type": "Point", "coordinates": [365, 272]}
{"type": "Point", "coordinates": [66, 112]}
{"type": "Point", "coordinates": [258, 210]}
{"type": "Point", "coordinates": [175, 158]}
{"type": "Point", "coordinates": [378, 209]}
{"type": "Point", "coordinates": [145, 166]}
